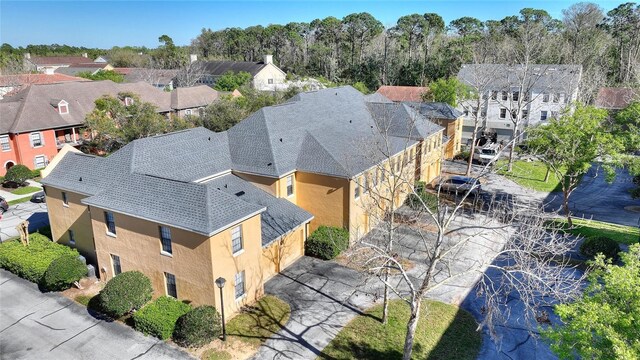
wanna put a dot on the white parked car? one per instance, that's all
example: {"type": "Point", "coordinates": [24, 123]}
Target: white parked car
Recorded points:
{"type": "Point", "coordinates": [485, 154]}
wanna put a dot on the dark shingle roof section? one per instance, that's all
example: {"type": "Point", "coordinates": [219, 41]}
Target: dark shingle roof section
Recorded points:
{"type": "Point", "coordinates": [281, 215]}
{"type": "Point", "coordinates": [218, 68]}
{"type": "Point", "coordinates": [437, 110]}
{"type": "Point", "coordinates": [534, 77]}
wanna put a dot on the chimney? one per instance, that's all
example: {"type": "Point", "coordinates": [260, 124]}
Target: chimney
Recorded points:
{"type": "Point", "coordinates": [193, 58]}
{"type": "Point", "coordinates": [268, 59]}
{"type": "Point", "coordinates": [27, 56]}
{"type": "Point", "coordinates": [85, 55]}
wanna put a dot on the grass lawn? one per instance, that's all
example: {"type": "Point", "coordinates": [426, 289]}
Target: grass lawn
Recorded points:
{"type": "Point", "coordinates": [18, 201]}
{"type": "Point", "coordinates": [25, 190]}
{"type": "Point", "coordinates": [592, 228]}
{"type": "Point", "coordinates": [529, 174]}
{"type": "Point", "coordinates": [444, 332]}
{"type": "Point", "coordinates": [256, 324]}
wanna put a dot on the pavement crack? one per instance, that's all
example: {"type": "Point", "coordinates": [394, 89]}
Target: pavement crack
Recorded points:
{"type": "Point", "coordinates": [51, 313]}
{"type": "Point", "coordinates": [47, 326]}
{"type": "Point", "coordinates": [2, 283]}
{"type": "Point", "coordinates": [17, 321]}
{"type": "Point", "coordinates": [144, 353]}
{"type": "Point", "coordinates": [74, 336]}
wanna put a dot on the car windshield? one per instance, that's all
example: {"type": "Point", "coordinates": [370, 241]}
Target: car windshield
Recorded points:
{"type": "Point", "coordinates": [488, 151]}
{"type": "Point", "coordinates": [458, 181]}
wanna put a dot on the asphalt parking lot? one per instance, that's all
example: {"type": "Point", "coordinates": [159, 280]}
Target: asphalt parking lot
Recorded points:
{"type": "Point", "coordinates": [35, 213]}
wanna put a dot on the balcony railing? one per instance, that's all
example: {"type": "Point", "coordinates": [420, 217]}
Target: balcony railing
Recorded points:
{"type": "Point", "coordinates": [60, 144]}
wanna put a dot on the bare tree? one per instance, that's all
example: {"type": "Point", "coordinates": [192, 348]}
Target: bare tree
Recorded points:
{"type": "Point", "coordinates": [536, 266]}
{"type": "Point", "coordinates": [190, 74]}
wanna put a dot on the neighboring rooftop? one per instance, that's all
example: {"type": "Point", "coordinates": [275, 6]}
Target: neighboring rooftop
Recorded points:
{"type": "Point", "coordinates": [217, 68]}
{"type": "Point", "coordinates": [152, 76]}
{"type": "Point", "coordinates": [535, 77]}
{"type": "Point", "coordinates": [76, 69]}
{"type": "Point", "coordinates": [437, 110]}
{"type": "Point", "coordinates": [59, 60]}
{"type": "Point", "coordinates": [193, 97]}
{"type": "Point", "coordinates": [616, 98]}
{"type": "Point", "coordinates": [20, 81]}
{"type": "Point", "coordinates": [402, 93]}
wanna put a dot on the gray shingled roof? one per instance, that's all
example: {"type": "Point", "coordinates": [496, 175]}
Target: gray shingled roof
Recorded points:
{"type": "Point", "coordinates": [436, 110]}
{"type": "Point", "coordinates": [193, 97]}
{"type": "Point", "coordinates": [538, 77]}
{"type": "Point", "coordinates": [321, 132]}
{"type": "Point", "coordinates": [217, 68]}
{"type": "Point", "coordinates": [281, 215]}
{"type": "Point", "coordinates": [31, 108]}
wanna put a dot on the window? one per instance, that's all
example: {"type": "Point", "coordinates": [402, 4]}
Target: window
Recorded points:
{"type": "Point", "coordinates": [543, 115]}
{"type": "Point", "coordinates": [165, 239]}
{"type": "Point", "coordinates": [514, 114]}
{"type": "Point", "coordinates": [236, 239]}
{"type": "Point", "coordinates": [365, 178]}
{"type": "Point", "coordinates": [505, 95]}
{"type": "Point", "coordinates": [201, 111]}
{"type": "Point", "coordinates": [270, 81]}
{"type": "Point", "coordinates": [39, 161]}
{"type": "Point", "coordinates": [494, 95]}
{"type": "Point", "coordinates": [503, 113]}
{"type": "Point", "coordinates": [115, 262]}
{"type": "Point", "coordinates": [483, 114]}
{"type": "Point", "coordinates": [545, 97]}
{"type": "Point", "coordinates": [374, 177]}
{"type": "Point", "coordinates": [289, 185]}
{"type": "Point", "coordinates": [4, 143]}
{"type": "Point", "coordinates": [65, 201]}
{"type": "Point", "coordinates": [525, 113]}
{"type": "Point", "coordinates": [63, 107]}
{"type": "Point", "coordinates": [356, 190]}
{"type": "Point", "coordinates": [72, 238]}
{"type": "Point", "coordinates": [128, 101]}
{"type": "Point", "coordinates": [556, 98]}
{"type": "Point", "coordinates": [515, 96]}
{"type": "Point", "coordinates": [239, 284]}
{"type": "Point", "coordinates": [170, 280]}
{"type": "Point", "coordinates": [111, 223]}
{"type": "Point", "coordinates": [188, 112]}
{"type": "Point", "coordinates": [36, 139]}
{"type": "Point", "coordinates": [466, 112]}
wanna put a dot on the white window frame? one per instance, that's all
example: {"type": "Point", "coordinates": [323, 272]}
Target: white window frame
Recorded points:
{"type": "Point", "coordinates": [237, 230]}
{"type": "Point", "coordinates": [107, 215]}
{"type": "Point", "coordinates": [290, 186]}
{"type": "Point", "coordinates": [65, 199]}
{"type": "Point", "coordinates": [270, 81]}
{"type": "Point", "coordinates": [545, 97]}
{"type": "Point", "coordinates": [188, 112]}
{"type": "Point", "coordinates": [128, 101]}
{"type": "Point", "coordinates": [165, 235]}
{"type": "Point", "coordinates": [35, 161]}
{"type": "Point", "coordinates": [237, 282]}
{"type": "Point", "coordinates": [63, 104]}
{"type": "Point", "coordinates": [503, 113]}
{"type": "Point", "coordinates": [116, 259]}
{"type": "Point", "coordinates": [5, 144]}
{"type": "Point", "coordinates": [545, 114]}
{"type": "Point", "coordinates": [40, 138]}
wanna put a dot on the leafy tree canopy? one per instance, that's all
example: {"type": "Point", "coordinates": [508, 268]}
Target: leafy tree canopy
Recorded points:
{"type": "Point", "coordinates": [450, 91]}
{"type": "Point", "coordinates": [102, 75]}
{"type": "Point", "coordinates": [605, 322]}
{"type": "Point", "coordinates": [230, 81]}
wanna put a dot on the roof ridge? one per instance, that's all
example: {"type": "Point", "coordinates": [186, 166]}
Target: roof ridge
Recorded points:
{"type": "Point", "coordinates": [16, 120]}
{"type": "Point", "coordinates": [326, 151]}
{"type": "Point", "coordinates": [266, 126]}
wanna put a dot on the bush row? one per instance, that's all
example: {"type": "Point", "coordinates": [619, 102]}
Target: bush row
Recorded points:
{"type": "Point", "coordinates": [158, 318]}
{"type": "Point", "coordinates": [327, 242]}
{"type": "Point", "coordinates": [31, 262]}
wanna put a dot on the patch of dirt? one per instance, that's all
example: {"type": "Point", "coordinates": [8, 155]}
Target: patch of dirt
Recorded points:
{"type": "Point", "coordinates": [88, 287]}
{"type": "Point", "coordinates": [237, 349]}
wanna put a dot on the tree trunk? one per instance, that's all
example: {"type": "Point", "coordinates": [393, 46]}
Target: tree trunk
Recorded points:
{"type": "Point", "coordinates": [565, 205]}
{"type": "Point", "coordinates": [513, 147]}
{"type": "Point", "coordinates": [385, 302]}
{"type": "Point", "coordinates": [412, 325]}
{"type": "Point", "coordinates": [546, 176]}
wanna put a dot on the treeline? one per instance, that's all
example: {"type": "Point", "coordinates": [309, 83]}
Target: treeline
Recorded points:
{"type": "Point", "coordinates": [421, 47]}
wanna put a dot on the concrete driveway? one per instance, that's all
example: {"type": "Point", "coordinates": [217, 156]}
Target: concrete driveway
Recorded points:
{"type": "Point", "coordinates": [34, 325]}
{"type": "Point", "coordinates": [35, 213]}
{"type": "Point", "coordinates": [324, 297]}
{"type": "Point", "coordinates": [595, 198]}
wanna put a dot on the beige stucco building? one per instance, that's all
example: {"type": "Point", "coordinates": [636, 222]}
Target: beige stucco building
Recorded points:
{"type": "Point", "coordinates": [188, 207]}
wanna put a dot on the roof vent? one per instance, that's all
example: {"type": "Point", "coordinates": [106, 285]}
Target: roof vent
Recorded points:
{"type": "Point", "coordinates": [350, 121]}
{"type": "Point", "coordinates": [269, 164]}
{"type": "Point", "coordinates": [209, 138]}
{"type": "Point", "coordinates": [80, 178]}
{"type": "Point", "coordinates": [225, 186]}
{"type": "Point", "coordinates": [240, 193]}
{"type": "Point", "coordinates": [280, 139]}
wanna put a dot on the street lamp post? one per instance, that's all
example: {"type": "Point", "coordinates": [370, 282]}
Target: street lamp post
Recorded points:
{"type": "Point", "coordinates": [220, 283]}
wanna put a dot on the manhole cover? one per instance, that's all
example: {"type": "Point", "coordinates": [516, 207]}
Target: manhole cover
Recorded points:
{"type": "Point", "coordinates": [633, 208]}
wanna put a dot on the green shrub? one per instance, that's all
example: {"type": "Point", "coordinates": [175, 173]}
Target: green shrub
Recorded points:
{"type": "Point", "coordinates": [63, 272]}
{"type": "Point", "coordinates": [46, 231]}
{"type": "Point", "coordinates": [429, 199]}
{"type": "Point", "coordinates": [600, 244]}
{"type": "Point", "coordinates": [124, 293]}
{"type": "Point", "coordinates": [18, 174]}
{"type": "Point", "coordinates": [31, 262]}
{"type": "Point", "coordinates": [159, 317]}
{"type": "Point", "coordinates": [35, 173]}
{"type": "Point", "coordinates": [198, 327]}
{"type": "Point", "coordinates": [462, 155]}
{"type": "Point", "coordinates": [327, 242]}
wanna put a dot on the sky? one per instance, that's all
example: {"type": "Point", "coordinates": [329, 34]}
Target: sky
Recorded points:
{"type": "Point", "coordinates": [104, 24]}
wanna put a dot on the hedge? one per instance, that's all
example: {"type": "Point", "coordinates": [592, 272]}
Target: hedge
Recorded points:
{"type": "Point", "coordinates": [600, 244]}
{"type": "Point", "coordinates": [198, 327]}
{"type": "Point", "coordinates": [159, 317]}
{"type": "Point", "coordinates": [124, 293]}
{"type": "Point", "coordinates": [63, 272]}
{"type": "Point", "coordinates": [327, 242]}
{"type": "Point", "coordinates": [31, 262]}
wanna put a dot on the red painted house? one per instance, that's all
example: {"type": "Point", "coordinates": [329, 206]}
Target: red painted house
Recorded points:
{"type": "Point", "coordinates": [38, 121]}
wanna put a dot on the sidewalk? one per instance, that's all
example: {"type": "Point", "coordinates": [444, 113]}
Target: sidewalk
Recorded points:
{"type": "Point", "coordinates": [7, 195]}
